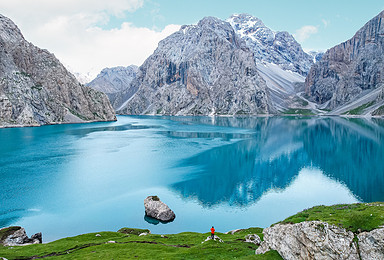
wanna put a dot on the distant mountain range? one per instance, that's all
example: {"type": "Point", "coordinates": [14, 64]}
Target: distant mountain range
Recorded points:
{"type": "Point", "coordinates": [36, 89]}
{"type": "Point", "coordinates": [216, 67]}
{"type": "Point", "coordinates": [279, 60]}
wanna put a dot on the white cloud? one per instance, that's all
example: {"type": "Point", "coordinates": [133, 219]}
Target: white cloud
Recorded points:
{"type": "Point", "coordinates": [325, 22]}
{"type": "Point", "coordinates": [305, 32]}
{"type": "Point", "coordinates": [71, 30]}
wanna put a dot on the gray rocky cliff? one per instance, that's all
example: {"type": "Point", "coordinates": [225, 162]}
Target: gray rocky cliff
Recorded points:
{"type": "Point", "coordinates": [279, 48]}
{"type": "Point", "coordinates": [202, 69]}
{"type": "Point", "coordinates": [36, 89]}
{"type": "Point", "coordinates": [112, 81]}
{"type": "Point", "coordinates": [351, 70]}
{"type": "Point", "coordinates": [320, 240]}
{"type": "Point", "coordinates": [16, 236]}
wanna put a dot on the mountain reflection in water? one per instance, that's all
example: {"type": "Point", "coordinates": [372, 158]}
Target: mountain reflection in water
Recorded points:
{"type": "Point", "coordinates": [349, 151]}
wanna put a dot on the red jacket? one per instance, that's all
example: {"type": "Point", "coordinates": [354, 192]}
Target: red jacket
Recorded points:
{"type": "Point", "coordinates": [212, 231]}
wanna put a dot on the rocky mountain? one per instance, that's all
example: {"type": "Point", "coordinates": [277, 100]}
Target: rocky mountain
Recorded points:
{"type": "Point", "coordinates": [278, 48]}
{"type": "Point", "coordinates": [114, 80]}
{"type": "Point", "coordinates": [203, 69]}
{"type": "Point", "coordinates": [36, 89]}
{"type": "Point", "coordinates": [349, 78]}
{"type": "Point", "coordinates": [281, 61]}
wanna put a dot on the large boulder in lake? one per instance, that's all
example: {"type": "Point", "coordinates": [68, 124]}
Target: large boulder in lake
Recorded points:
{"type": "Point", "coordinates": [16, 236]}
{"type": "Point", "coordinates": [157, 209]}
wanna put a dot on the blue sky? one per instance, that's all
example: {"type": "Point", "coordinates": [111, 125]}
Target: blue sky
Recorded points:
{"type": "Point", "coordinates": [89, 35]}
{"type": "Point", "coordinates": [336, 21]}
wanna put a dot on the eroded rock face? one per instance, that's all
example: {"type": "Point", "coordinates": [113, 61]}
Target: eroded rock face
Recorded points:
{"type": "Point", "coordinates": [319, 240]}
{"type": "Point", "coordinates": [350, 69]}
{"type": "Point", "coordinates": [36, 89]}
{"type": "Point", "coordinates": [157, 209]}
{"type": "Point", "coordinates": [202, 69]}
{"type": "Point", "coordinates": [309, 240]}
{"type": "Point", "coordinates": [16, 236]}
{"type": "Point", "coordinates": [371, 244]}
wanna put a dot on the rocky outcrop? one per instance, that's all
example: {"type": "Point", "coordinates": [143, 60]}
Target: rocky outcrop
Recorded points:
{"type": "Point", "coordinates": [203, 69]}
{"type": "Point", "coordinates": [350, 70]}
{"type": "Point", "coordinates": [16, 236]}
{"type": "Point", "coordinates": [36, 89]}
{"type": "Point", "coordinates": [253, 238]}
{"type": "Point", "coordinates": [278, 48]}
{"type": "Point", "coordinates": [114, 82]}
{"type": "Point", "coordinates": [371, 244]}
{"type": "Point", "coordinates": [157, 209]}
{"type": "Point", "coordinates": [320, 240]}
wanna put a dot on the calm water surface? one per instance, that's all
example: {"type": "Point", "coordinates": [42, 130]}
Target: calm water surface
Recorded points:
{"type": "Point", "coordinates": [232, 173]}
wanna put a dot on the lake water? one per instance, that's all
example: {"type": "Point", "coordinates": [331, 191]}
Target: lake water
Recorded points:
{"type": "Point", "coordinates": [65, 180]}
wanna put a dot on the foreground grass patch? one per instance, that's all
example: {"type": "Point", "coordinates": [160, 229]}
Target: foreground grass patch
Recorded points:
{"type": "Point", "coordinates": [353, 217]}
{"type": "Point", "coordinates": [129, 245]}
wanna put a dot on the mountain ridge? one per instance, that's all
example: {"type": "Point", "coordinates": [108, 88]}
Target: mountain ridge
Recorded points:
{"type": "Point", "coordinates": [36, 89]}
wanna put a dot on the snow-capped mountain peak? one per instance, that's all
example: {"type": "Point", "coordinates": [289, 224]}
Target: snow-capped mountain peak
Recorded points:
{"type": "Point", "coordinates": [278, 48]}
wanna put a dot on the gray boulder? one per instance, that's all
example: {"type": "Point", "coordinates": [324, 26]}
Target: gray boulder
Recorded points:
{"type": "Point", "coordinates": [16, 236]}
{"type": "Point", "coordinates": [320, 240]}
{"type": "Point", "coordinates": [157, 209]}
{"type": "Point", "coordinates": [371, 244]}
{"type": "Point", "coordinates": [253, 238]}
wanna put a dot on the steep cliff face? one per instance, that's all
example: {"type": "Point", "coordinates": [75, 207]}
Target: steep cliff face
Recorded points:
{"type": "Point", "coordinates": [279, 48]}
{"type": "Point", "coordinates": [113, 81]}
{"type": "Point", "coordinates": [351, 70]}
{"type": "Point", "coordinates": [200, 70]}
{"type": "Point", "coordinates": [36, 89]}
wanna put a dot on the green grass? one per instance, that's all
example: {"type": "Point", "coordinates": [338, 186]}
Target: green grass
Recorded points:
{"type": "Point", "coordinates": [188, 245]}
{"type": "Point", "coordinates": [353, 217]}
{"type": "Point", "coordinates": [360, 109]}
{"type": "Point", "coordinates": [298, 111]}
{"type": "Point", "coordinates": [129, 245]}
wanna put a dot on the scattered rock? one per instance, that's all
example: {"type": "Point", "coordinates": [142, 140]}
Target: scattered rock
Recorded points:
{"type": "Point", "coordinates": [111, 242]}
{"type": "Point", "coordinates": [133, 231]}
{"type": "Point", "coordinates": [253, 238]}
{"type": "Point", "coordinates": [143, 234]}
{"type": "Point", "coordinates": [16, 236]}
{"type": "Point", "coordinates": [157, 209]}
{"type": "Point", "coordinates": [3, 258]}
{"type": "Point", "coordinates": [97, 235]}
{"type": "Point", "coordinates": [233, 231]}
{"type": "Point", "coordinates": [216, 238]}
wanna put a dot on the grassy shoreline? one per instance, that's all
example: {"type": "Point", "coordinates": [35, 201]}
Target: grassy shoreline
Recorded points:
{"type": "Point", "coordinates": [130, 243]}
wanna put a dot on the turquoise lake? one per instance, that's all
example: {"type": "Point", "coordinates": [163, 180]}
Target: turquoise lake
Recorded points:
{"type": "Point", "coordinates": [64, 180]}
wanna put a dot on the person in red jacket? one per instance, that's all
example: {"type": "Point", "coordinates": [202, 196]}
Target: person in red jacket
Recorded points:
{"type": "Point", "coordinates": [213, 232]}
